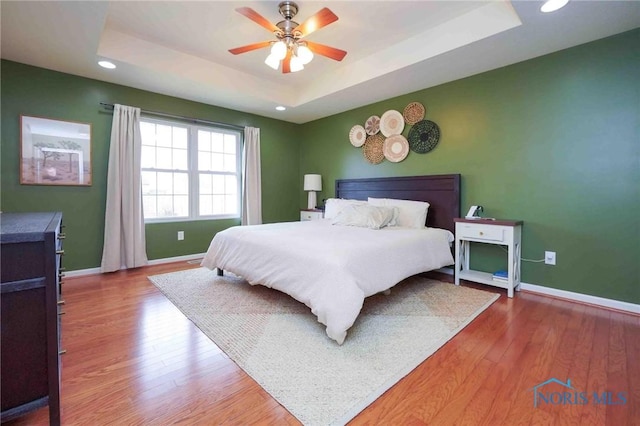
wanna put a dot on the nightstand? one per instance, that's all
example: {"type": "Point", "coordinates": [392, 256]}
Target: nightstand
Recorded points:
{"type": "Point", "coordinates": [311, 214]}
{"type": "Point", "coordinates": [501, 232]}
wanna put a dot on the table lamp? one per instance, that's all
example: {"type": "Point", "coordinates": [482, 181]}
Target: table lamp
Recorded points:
{"type": "Point", "coordinates": [312, 183]}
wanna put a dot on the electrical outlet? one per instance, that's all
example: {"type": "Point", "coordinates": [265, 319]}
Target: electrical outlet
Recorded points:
{"type": "Point", "coordinates": [550, 257]}
{"type": "Point", "coordinates": [180, 235]}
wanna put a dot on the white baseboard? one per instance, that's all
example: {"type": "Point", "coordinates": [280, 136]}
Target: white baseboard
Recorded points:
{"type": "Point", "coordinates": [185, 258]}
{"type": "Point", "coordinates": [96, 271]}
{"type": "Point", "coordinates": [583, 298]}
{"type": "Point", "coordinates": [82, 272]}
{"type": "Point", "coordinates": [570, 295]}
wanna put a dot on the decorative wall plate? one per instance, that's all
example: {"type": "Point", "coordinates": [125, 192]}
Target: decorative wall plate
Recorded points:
{"type": "Point", "coordinates": [396, 148]}
{"type": "Point", "coordinates": [372, 126]}
{"type": "Point", "coordinates": [424, 136]}
{"type": "Point", "coordinates": [373, 149]}
{"type": "Point", "coordinates": [413, 113]}
{"type": "Point", "coordinates": [357, 135]}
{"type": "Point", "coordinates": [391, 123]}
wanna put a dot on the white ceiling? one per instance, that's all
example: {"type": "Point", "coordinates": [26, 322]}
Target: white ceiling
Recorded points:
{"type": "Point", "coordinates": [180, 48]}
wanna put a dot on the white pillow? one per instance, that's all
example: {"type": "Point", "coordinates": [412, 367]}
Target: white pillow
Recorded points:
{"type": "Point", "coordinates": [333, 206]}
{"type": "Point", "coordinates": [381, 202]}
{"type": "Point", "coordinates": [364, 215]}
{"type": "Point", "coordinates": [411, 214]}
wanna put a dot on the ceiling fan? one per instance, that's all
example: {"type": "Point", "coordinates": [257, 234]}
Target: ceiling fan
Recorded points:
{"type": "Point", "coordinates": [289, 47]}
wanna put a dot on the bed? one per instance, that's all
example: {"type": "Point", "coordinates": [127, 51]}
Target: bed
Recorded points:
{"type": "Point", "coordinates": [331, 268]}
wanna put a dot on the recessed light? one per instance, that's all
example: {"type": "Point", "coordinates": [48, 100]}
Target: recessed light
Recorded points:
{"type": "Point", "coordinates": [107, 64]}
{"type": "Point", "coordinates": [553, 5]}
{"type": "Point", "coordinates": [280, 108]}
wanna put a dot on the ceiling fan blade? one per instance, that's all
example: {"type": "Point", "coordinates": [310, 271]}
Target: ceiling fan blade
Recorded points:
{"type": "Point", "coordinates": [315, 22]}
{"type": "Point", "coordinates": [328, 51]}
{"type": "Point", "coordinates": [249, 47]}
{"type": "Point", "coordinates": [286, 63]}
{"type": "Point", "coordinates": [257, 18]}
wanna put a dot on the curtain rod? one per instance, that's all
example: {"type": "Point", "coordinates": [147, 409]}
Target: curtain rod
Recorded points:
{"type": "Point", "coordinates": [180, 117]}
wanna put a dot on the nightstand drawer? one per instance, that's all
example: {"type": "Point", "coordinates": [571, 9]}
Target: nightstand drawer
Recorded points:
{"type": "Point", "coordinates": [481, 232]}
{"type": "Point", "coordinates": [310, 214]}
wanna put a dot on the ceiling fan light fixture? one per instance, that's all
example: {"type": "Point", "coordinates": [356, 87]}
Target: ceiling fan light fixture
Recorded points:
{"type": "Point", "coordinates": [305, 54]}
{"type": "Point", "coordinates": [272, 61]}
{"type": "Point", "coordinates": [553, 5]}
{"type": "Point", "coordinates": [279, 50]}
{"type": "Point", "coordinates": [296, 64]}
{"type": "Point", "coordinates": [288, 50]}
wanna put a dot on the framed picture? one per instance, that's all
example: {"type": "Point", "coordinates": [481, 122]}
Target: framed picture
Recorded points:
{"type": "Point", "coordinates": [54, 152]}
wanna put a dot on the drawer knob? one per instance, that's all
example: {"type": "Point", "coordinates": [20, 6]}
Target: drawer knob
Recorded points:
{"type": "Point", "coordinates": [61, 302]}
{"type": "Point", "coordinates": [60, 252]}
{"type": "Point", "coordinates": [62, 352]}
{"type": "Point", "coordinates": [481, 233]}
{"type": "Point", "coordinates": [62, 236]}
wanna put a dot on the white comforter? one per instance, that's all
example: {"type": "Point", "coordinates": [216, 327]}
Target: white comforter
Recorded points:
{"type": "Point", "coordinates": [329, 268]}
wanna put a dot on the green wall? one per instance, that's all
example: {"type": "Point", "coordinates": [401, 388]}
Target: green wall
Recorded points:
{"type": "Point", "coordinates": [39, 92]}
{"type": "Point", "coordinates": [553, 141]}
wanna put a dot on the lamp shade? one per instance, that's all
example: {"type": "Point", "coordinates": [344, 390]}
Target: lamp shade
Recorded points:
{"type": "Point", "coordinates": [273, 62]}
{"type": "Point", "coordinates": [279, 50]}
{"type": "Point", "coordinates": [305, 54]}
{"type": "Point", "coordinates": [296, 64]}
{"type": "Point", "coordinates": [312, 182]}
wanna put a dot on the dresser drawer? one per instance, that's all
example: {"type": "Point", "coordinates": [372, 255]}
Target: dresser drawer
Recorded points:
{"type": "Point", "coordinates": [481, 232]}
{"type": "Point", "coordinates": [21, 261]}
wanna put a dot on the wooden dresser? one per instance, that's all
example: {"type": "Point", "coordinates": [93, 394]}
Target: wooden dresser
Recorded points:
{"type": "Point", "coordinates": [30, 256]}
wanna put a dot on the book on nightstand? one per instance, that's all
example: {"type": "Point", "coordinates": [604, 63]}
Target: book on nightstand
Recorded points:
{"type": "Point", "coordinates": [501, 275]}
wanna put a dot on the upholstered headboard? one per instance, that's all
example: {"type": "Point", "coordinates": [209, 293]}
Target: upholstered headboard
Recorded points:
{"type": "Point", "coordinates": [442, 192]}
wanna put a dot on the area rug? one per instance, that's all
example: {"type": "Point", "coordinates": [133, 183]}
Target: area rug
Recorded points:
{"type": "Point", "coordinates": [281, 345]}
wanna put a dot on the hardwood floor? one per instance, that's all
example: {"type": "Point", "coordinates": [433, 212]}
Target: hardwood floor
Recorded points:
{"type": "Point", "coordinates": [133, 358]}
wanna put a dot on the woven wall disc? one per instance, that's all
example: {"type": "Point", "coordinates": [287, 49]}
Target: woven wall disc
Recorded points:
{"type": "Point", "coordinates": [423, 136]}
{"type": "Point", "coordinates": [391, 123]}
{"type": "Point", "coordinates": [413, 113]}
{"type": "Point", "coordinates": [373, 149]}
{"type": "Point", "coordinates": [396, 148]}
{"type": "Point", "coordinates": [357, 135]}
{"type": "Point", "coordinates": [372, 125]}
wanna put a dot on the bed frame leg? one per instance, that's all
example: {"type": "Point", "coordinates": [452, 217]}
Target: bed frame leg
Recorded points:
{"type": "Point", "coordinates": [220, 272]}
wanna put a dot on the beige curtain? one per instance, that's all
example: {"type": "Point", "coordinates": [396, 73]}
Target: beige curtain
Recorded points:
{"type": "Point", "coordinates": [251, 181]}
{"type": "Point", "coordinates": [124, 238]}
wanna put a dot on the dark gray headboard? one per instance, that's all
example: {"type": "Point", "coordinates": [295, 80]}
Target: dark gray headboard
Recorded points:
{"type": "Point", "coordinates": [442, 192]}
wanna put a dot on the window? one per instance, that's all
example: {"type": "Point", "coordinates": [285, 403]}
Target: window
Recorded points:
{"type": "Point", "coordinates": [189, 171]}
